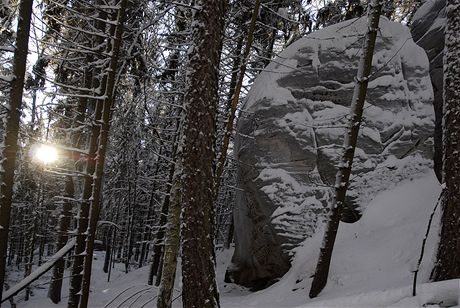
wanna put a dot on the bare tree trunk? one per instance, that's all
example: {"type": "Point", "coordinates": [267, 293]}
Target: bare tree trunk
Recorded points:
{"type": "Point", "coordinates": [76, 277]}
{"type": "Point", "coordinates": [171, 247]}
{"type": "Point", "coordinates": [54, 292]}
{"type": "Point", "coordinates": [200, 102]}
{"type": "Point", "coordinates": [349, 145]}
{"type": "Point", "coordinates": [21, 243]}
{"type": "Point", "coordinates": [108, 251]}
{"type": "Point", "coordinates": [101, 153]}
{"type": "Point", "coordinates": [158, 248]}
{"type": "Point", "coordinates": [229, 238]}
{"type": "Point", "coordinates": [55, 289]}
{"type": "Point", "coordinates": [29, 247]}
{"type": "Point", "coordinates": [448, 256]}
{"type": "Point", "coordinates": [43, 230]}
{"type": "Point", "coordinates": [158, 245]}
{"type": "Point", "coordinates": [167, 256]}
{"type": "Point", "coordinates": [147, 232]}
{"type": "Point", "coordinates": [11, 130]}
{"type": "Point", "coordinates": [127, 238]}
{"type": "Point", "coordinates": [83, 215]}
{"type": "Point", "coordinates": [235, 99]}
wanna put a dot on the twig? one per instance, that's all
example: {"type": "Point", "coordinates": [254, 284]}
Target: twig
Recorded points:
{"type": "Point", "coordinates": [414, 286]}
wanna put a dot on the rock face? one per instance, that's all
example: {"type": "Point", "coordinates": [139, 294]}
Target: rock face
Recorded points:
{"type": "Point", "coordinates": [290, 133]}
{"type": "Point", "coordinates": [428, 27]}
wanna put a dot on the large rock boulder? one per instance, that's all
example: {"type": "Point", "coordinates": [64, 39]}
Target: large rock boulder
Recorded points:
{"type": "Point", "coordinates": [428, 27]}
{"type": "Point", "coordinates": [290, 133]}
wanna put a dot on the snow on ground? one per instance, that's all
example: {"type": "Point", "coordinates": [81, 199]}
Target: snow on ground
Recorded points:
{"type": "Point", "coordinates": [371, 265]}
{"type": "Point", "coordinates": [372, 259]}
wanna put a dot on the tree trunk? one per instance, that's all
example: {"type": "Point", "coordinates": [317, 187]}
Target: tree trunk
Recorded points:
{"type": "Point", "coordinates": [167, 230]}
{"type": "Point", "coordinates": [235, 99]}
{"type": "Point", "coordinates": [108, 251]}
{"type": "Point", "coordinates": [83, 215]}
{"type": "Point", "coordinates": [147, 232]}
{"type": "Point", "coordinates": [158, 248]}
{"type": "Point", "coordinates": [76, 278]}
{"type": "Point", "coordinates": [200, 102]}
{"type": "Point", "coordinates": [38, 272]}
{"type": "Point", "coordinates": [158, 245]}
{"type": "Point", "coordinates": [11, 130]}
{"type": "Point", "coordinates": [229, 238]}
{"type": "Point", "coordinates": [448, 255]}
{"type": "Point", "coordinates": [101, 153]}
{"type": "Point", "coordinates": [29, 248]}
{"type": "Point", "coordinates": [349, 145]}
{"type": "Point", "coordinates": [127, 238]}
{"type": "Point", "coordinates": [171, 248]}
{"type": "Point", "coordinates": [54, 292]}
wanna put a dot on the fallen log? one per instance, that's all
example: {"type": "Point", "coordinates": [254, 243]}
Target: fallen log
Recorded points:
{"type": "Point", "coordinates": [38, 272]}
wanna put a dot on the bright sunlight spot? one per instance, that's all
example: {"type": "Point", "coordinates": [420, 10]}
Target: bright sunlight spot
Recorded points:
{"type": "Point", "coordinates": [44, 153]}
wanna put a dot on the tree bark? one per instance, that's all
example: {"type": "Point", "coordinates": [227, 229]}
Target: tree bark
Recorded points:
{"type": "Point", "coordinates": [171, 248]}
{"type": "Point", "coordinates": [159, 245]}
{"type": "Point", "coordinates": [101, 153]}
{"type": "Point", "coordinates": [76, 278]}
{"type": "Point", "coordinates": [349, 145]}
{"type": "Point", "coordinates": [83, 215]}
{"type": "Point", "coordinates": [11, 130]}
{"type": "Point", "coordinates": [448, 255]}
{"type": "Point", "coordinates": [147, 231]}
{"type": "Point", "coordinates": [235, 99]}
{"type": "Point", "coordinates": [167, 257]}
{"type": "Point", "coordinates": [54, 291]}
{"type": "Point", "coordinates": [200, 101]}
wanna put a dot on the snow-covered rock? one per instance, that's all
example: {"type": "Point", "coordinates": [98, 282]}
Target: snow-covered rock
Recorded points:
{"type": "Point", "coordinates": [427, 30]}
{"type": "Point", "coordinates": [290, 133]}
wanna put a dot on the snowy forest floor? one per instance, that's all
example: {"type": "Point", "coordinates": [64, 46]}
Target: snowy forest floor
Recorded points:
{"type": "Point", "coordinates": [371, 266]}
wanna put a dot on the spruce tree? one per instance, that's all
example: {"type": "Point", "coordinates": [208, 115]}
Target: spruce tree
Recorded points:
{"type": "Point", "coordinates": [200, 102]}
{"type": "Point", "coordinates": [10, 137]}
{"type": "Point", "coordinates": [349, 146]}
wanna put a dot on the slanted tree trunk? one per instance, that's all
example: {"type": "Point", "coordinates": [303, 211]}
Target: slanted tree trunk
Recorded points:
{"type": "Point", "coordinates": [233, 104]}
{"type": "Point", "coordinates": [83, 215]}
{"type": "Point", "coordinates": [171, 73]}
{"type": "Point", "coordinates": [166, 271]}
{"type": "Point", "coordinates": [236, 83]}
{"type": "Point", "coordinates": [448, 256]}
{"type": "Point", "coordinates": [158, 248]}
{"type": "Point", "coordinates": [101, 153]}
{"type": "Point", "coordinates": [349, 145]}
{"type": "Point", "coordinates": [10, 137]}
{"type": "Point", "coordinates": [76, 277]}
{"type": "Point", "coordinates": [200, 102]}
{"type": "Point", "coordinates": [171, 246]}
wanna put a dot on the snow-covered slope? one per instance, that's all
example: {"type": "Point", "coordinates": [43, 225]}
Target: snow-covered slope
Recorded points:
{"type": "Point", "coordinates": [375, 254]}
{"type": "Point", "coordinates": [371, 265]}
